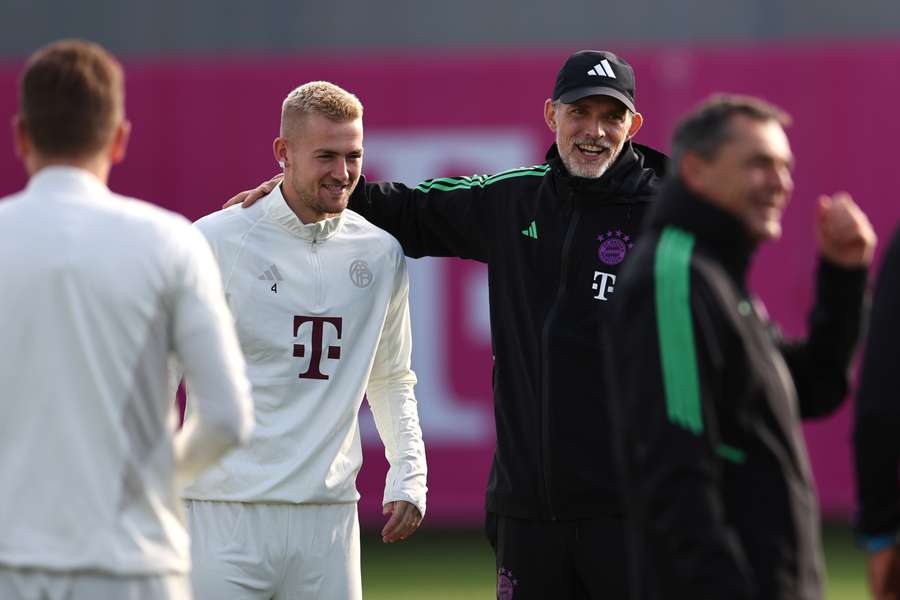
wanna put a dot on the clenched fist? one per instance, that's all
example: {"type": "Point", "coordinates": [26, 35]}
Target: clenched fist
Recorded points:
{"type": "Point", "coordinates": [843, 232]}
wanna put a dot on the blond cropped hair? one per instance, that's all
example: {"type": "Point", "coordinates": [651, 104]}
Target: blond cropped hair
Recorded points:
{"type": "Point", "coordinates": [319, 97]}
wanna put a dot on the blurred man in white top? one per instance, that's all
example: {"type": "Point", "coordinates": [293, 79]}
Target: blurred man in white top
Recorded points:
{"type": "Point", "coordinates": [100, 295]}
{"type": "Point", "coordinates": [320, 299]}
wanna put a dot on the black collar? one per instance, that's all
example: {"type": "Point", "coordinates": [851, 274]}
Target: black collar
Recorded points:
{"type": "Point", "coordinates": [718, 233]}
{"type": "Point", "coordinates": [636, 172]}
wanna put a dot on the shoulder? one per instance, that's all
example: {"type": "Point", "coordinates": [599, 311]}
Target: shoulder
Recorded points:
{"type": "Point", "coordinates": [139, 213]}
{"type": "Point", "coordinates": [9, 203]}
{"type": "Point", "coordinates": [169, 234]}
{"type": "Point", "coordinates": [229, 222]}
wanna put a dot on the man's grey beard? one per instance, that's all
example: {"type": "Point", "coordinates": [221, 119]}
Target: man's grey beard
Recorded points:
{"type": "Point", "coordinates": [578, 170]}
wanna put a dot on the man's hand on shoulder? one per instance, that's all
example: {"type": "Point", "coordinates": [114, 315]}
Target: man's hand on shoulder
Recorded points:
{"type": "Point", "coordinates": [405, 519]}
{"type": "Point", "coordinates": [843, 232]}
{"type": "Point", "coordinates": [248, 197]}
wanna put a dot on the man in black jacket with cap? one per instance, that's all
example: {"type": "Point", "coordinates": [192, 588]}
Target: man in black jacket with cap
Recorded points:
{"type": "Point", "coordinates": [554, 237]}
{"type": "Point", "coordinates": [709, 396]}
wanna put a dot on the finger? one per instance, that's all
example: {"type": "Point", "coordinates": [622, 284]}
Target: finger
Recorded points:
{"type": "Point", "coordinates": [276, 179]}
{"type": "Point", "coordinates": [843, 217]}
{"type": "Point", "coordinates": [392, 528]}
{"type": "Point", "coordinates": [263, 189]}
{"type": "Point", "coordinates": [843, 198]}
{"type": "Point", "coordinates": [409, 520]}
{"type": "Point", "coordinates": [822, 206]}
{"type": "Point", "coordinates": [410, 528]}
{"type": "Point", "coordinates": [237, 199]}
{"type": "Point", "coordinates": [404, 532]}
{"type": "Point", "coordinates": [254, 195]}
{"type": "Point", "coordinates": [849, 223]}
{"type": "Point", "coordinates": [412, 520]}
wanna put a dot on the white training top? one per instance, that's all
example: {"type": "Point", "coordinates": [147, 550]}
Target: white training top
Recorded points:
{"type": "Point", "coordinates": [97, 293]}
{"type": "Point", "coordinates": [322, 313]}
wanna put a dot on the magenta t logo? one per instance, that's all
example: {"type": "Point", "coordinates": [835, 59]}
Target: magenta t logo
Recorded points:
{"type": "Point", "coordinates": [318, 329]}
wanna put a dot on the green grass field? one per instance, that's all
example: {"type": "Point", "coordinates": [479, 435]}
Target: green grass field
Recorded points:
{"type": "Point", "coordinates": [457, 565]}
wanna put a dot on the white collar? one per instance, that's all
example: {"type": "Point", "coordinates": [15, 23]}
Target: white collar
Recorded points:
{"type": "Point", "coordinates": [52, 180]}
{"type": "Point", "coordinates": [278, 210]}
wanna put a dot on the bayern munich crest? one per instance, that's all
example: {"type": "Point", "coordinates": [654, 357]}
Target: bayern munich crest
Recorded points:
{"type": "Point", "coordinates": [506, 584]}
{"type": "Point", "coordinates": [614, 245]}
{"type": "Point", "coordinates": [360, 274]}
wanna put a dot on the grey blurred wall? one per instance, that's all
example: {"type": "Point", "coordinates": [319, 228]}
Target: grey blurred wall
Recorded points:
{"type": "Point", "coordinates": [172, 27]}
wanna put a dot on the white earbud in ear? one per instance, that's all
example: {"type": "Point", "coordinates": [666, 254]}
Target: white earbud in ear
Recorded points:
{"type": "Point", "coordinates": [281, 163]}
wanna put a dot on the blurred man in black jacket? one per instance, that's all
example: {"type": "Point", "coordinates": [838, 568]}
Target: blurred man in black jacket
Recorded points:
{"type": "Point", "coordinates": [708, 395]}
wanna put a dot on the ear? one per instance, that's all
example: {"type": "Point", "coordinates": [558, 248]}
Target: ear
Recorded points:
{"type": "Point", "coordinates": [636, 121]}
{"type": "Point", "coordinates": [280, 150]}
{"type": "Point", "coordinates": [550, 115]}
{"type": "Point", "coordinates": [119, 146]}
{"type": "Point", "coordinates": [691, 169]}
{"type": "Point", "coordinates": [20, 138]}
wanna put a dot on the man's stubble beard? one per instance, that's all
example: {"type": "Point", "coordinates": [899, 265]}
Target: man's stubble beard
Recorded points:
{"type": "Point", "coordinates": [311, 200]}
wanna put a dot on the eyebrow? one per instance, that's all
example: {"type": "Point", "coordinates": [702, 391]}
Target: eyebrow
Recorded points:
{"type": "Point", "coordinates": [789, 160]}
{"type": "Point", "coordinates": [335, 152]}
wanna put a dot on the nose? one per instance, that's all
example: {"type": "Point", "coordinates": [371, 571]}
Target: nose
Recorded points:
{"type": "Point", "coordinates": [595, 128]}
{"type": "Point", "coordinates": [783, 179]}
{"type": "Point", "coordinates": [340, 171]}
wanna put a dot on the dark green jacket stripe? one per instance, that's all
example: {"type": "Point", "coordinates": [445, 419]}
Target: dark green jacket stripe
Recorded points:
{"type": "Point", "coordinates": [672, 270]}
{"type": "Point", "coordinates": [735, 455]}
{"type": "Point", "coordinates": [448, 184]}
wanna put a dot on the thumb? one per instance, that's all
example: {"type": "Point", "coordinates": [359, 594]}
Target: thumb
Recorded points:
{"type": "Point", "coordinates": [387, 508]}
{"type": "Point", "coordinates": [823, 205]}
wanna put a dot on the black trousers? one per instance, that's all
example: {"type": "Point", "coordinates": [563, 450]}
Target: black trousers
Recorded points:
{"type": "Point", "coordinates": [559, 560]}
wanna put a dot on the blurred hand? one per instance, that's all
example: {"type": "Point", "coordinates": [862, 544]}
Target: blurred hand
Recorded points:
{"type": "Point", "coordinates": [884, 574]}
{"type": "Point", "coordinates": [405, 519]}
{"type": "Point", "coordinates": [248, 197]}
{"type": "Point", "coordinates": [843, 231]}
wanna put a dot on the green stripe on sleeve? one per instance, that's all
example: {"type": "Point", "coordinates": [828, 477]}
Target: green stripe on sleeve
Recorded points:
{"type": "Point", "coordinates": [731, 453]}
{"type": "Point", "coordinates": [448, 184]}
{"type": "Point", "coordinates": [672, 271]}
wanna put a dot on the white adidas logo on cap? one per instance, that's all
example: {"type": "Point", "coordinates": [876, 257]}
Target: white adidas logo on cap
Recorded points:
{"type": "Point", "coordinates": [602, 69]}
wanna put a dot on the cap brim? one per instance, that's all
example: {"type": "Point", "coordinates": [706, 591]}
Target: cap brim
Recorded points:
{"type": "Point", "coordinates": [583, 92]}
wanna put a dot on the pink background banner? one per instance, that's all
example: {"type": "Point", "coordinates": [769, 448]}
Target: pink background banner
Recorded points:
{"type": "Point", "coordinates": [203, 129]}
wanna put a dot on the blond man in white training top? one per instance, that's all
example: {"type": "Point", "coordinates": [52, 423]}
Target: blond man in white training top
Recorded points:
{"type": "Point", "coordinates": [320, 299]}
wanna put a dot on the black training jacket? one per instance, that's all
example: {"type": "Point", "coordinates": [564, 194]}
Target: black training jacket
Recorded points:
{"type": "Point", "coordinates": [876, 435]}
{"type": "Point", "coordinates": [707, 402]}
{"type": "Point", "coordinates": [554, 245]}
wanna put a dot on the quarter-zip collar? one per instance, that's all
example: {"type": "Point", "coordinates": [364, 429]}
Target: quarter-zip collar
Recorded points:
{"type": "Point", "coordinates": [278, 210]}
{"type": "Point", "coordinates": [636, 172]}
{"type": "Point", "coordinates": [719, 232]}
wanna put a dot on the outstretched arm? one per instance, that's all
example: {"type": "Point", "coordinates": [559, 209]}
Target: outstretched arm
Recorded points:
{"type": "Point", "coordinates": [451, 216]}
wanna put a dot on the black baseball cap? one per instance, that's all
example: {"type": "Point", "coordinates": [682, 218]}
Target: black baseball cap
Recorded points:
{"type": "Point", "coordinates": [595, 73]}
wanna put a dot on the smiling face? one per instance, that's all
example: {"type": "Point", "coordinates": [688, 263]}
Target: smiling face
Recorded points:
{"type": "Point", "coordinates": [590, 132]}
{"type": "Point", "coordinates": [749, 175]}
{"type": "Point", "coordinates": [322, 163]}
